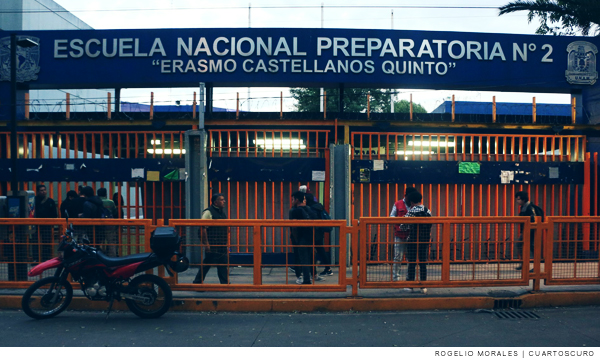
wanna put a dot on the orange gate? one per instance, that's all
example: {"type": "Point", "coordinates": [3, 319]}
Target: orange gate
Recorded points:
{"type": "Point", "coordinates": [154, 200]}
{"type": "Point", "coordinates": [266, 200]}
{"type": "Point", "coordinates": [376, 200]}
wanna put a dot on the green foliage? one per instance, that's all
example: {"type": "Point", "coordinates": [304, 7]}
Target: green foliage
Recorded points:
{"type": "Point", "coordinates": [560, 17]}
{"type": "Point", "coordinates": [403, 106]}
{"type": "Point", "coordinates": [355, 100]}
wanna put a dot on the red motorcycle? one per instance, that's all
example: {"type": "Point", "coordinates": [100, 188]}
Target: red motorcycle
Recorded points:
{"type": "Point", "coordinates": [104, 278]}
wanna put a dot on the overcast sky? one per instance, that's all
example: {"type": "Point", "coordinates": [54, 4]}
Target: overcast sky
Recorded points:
{"type": "Point", "coordinates": [429, 15]}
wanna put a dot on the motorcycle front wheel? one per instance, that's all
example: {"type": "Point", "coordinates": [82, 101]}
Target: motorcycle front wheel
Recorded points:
{"type": "Point", "coordinates": [47, 297]}
{"type": "Point", "coordinates": [152, 296]}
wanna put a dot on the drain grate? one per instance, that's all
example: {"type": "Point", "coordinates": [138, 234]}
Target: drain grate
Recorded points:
{"type": "Point", "coordinates": [507, 303]}
{"type": "Point", "coordinates": [516, 315]}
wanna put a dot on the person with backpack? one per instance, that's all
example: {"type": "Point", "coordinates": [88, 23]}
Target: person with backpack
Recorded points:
{"type": "Point", "coordinates": [527, 208]}
{"type": "Point", "coordinates": [109, 210]}
{"type": "Point", "coordinates": [417, 242]}
{"type": "Point", "coordinates": [319, 235]}
{"type": "Point", "coordinates": [400, 209]}
{"type": "Point", "coordinates": [92, 209]}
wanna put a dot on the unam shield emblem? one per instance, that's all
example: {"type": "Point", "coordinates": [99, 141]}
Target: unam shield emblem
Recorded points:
{"type": "Point", "coordinates": [28, 60]}
{"type": "Point", "coordinates": [582, 63]}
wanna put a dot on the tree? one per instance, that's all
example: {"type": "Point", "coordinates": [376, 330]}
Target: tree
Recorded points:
{"type": "Point", "coordinates": [355, 100]}
{"type": "Point", "coordinates": [403, 106]}
{"type": "Point", "coordinates": [571, 15]}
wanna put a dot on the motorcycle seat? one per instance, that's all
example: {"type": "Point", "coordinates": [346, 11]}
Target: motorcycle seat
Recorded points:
{"type": "Point", "coordinates": [120, 261]}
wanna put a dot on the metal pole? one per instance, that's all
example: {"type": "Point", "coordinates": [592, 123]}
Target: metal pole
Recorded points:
{"type": "Point", "coordinates": [14, 184]}
{"type": "Point", "coordinates": [117, 100]}
{"type": "Point", "coordinates": [249, 25]}
{"type": "Point", "coordinates": [201, 107]}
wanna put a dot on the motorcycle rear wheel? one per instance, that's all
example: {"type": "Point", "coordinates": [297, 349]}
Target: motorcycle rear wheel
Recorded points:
{"type": "Point", "coordinates": [47, 297]}
{"type": "Point", "coordinates": [157, 296]}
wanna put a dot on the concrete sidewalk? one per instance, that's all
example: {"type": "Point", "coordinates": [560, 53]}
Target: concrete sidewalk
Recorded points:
{"type": "Point", "coordinates": [388, 299]}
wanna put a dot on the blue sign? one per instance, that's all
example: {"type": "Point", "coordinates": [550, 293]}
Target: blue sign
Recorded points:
{"type": "Point", "coordinates": [308, 57]}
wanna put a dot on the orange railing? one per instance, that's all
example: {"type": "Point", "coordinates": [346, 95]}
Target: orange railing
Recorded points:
{"type": "Point", "coordinates": [27, 242]}
{"type": "Point", "coordinates": [462, 252]}
{"type": "Point", "coordinates": [262, 254]}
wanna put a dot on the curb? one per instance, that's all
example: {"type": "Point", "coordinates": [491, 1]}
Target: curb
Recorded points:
{"type": "Point", "coordinates": [532, 300]}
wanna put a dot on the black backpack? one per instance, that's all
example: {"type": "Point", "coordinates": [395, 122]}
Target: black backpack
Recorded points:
{"type": "Point", "coordinates": [537, 211]}
{"type": "Point", "coordinates": [322, 215]}
{"type": "Point", "coordinates": [106, 213]}
{"type": "Point", "coordinates": [422, 232]}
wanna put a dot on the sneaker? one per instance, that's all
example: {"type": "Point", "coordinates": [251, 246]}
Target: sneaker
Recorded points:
{"type": "Point", "coordinates": [408, 290]}
{"type": "Point", "coordinates": [299, 281]}
{"type": "Point", "coordinates": [319, 278]}
{"type": "Point", "coordinates": [326, 272]}
{"type": "Point", "coordinates": [424, 291]}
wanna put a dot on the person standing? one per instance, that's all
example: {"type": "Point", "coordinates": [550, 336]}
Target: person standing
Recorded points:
{"type": "Point", "coordinates": [92, 209]}
{"type": "Point", "coordinates": [527, 208]}
{"type": "Point", "coordinates": [119, 203]}
{"type": "Point", "coordinates": [215, 240]}
{"type": "Point", "coordinates": [110, 231]}
{"type": "Point", "coordinates": [44, 208]}
{"type": "Point", "coordinates": [301, 238]}
{"type": "Point", "coordinates": [319, 237]}
{"type": "Point", "coordinates": [108, 203]}
{"type": "Point", "coordinates": [71, 206]}
{"type": "Point", "coordinates": [400, 209]}
{"type": "Point", "coordinates": [417, 242]}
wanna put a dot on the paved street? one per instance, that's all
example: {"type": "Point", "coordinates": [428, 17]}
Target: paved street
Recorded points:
{"type": "Point", "coordinates": [572, 327]}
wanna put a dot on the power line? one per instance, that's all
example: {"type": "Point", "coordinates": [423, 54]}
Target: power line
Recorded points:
{"type": "Point", "coordinates": [35, 11]}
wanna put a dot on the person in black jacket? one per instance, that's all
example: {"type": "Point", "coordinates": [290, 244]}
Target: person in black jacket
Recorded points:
{"type": "Point", "coordinates": [302, 238]}
{"type": "Point", "coordinates": [215, 240]}
{"type": "Point", "coordinates": [527, 208]}
{"type": "Point", "coordinates": [92, 209]}
{"type": "Point", "coordinates": [44, 208]}
{"type": "Point", "coordinates": [70, 206]}
{"type": "Point", "coordinates": [319, 237]}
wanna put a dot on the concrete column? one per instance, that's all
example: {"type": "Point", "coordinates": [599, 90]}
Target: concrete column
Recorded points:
{"type": "Point", "coordinates": [340, 190]}
{"type": "Point", "coordinates": [196, 186]}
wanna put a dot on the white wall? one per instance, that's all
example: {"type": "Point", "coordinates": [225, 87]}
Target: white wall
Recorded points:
{"type": "Point", "coordinates": [18, 15]}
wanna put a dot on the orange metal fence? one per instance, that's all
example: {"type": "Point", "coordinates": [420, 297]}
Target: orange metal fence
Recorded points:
{"type": "Point", "coordinates": [565, 252]}
{"type": "Point", "coordinates": [25, 243]}
{"type": "Point", "coordinates": [258, 266]}
{"type": "Point", "coordinates": [572, 250]}
{"type": "Point", "coordinates": [487, 253]}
